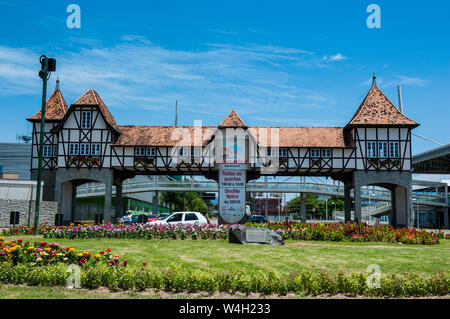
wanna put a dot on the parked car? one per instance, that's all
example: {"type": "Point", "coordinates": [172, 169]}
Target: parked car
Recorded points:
{"type": "Point", "coordinates": [258, 219]}
{"type": "Point", "coordinates": [163, 215]}
{"type": "Point", "coordinates": [184, 218]}
{"type": "Point", "coordinates": [151, 218]}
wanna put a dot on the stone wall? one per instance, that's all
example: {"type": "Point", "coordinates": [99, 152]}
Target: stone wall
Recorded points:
{"type": "Point", "coordinates": [26, 208]}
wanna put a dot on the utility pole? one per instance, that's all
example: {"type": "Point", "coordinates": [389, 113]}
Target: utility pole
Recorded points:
{"type": "Point", "coordinates": [266, 206]}
{"type": "Point", "coordinates": [47, 65]}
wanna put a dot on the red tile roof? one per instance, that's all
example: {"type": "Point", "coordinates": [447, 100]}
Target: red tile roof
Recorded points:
{"type": "Point", "coordinates": [132, 135]}
{"type": "Point", "coordinates": [92, 98]}
{"type": "Point", "coordinates": [303, 136]}
{"type": "Point", "coordinates": [55, 108]}
{"type": "Point", "coordinates": [377, 109]}
{"type": "Point", "coordinates": [232, 120]}
{"type": "Point", "coordinates": [288, 136]}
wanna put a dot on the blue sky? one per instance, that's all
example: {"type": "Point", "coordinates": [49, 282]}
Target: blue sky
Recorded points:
{"type": "Point", "coordinates": [280, 63]}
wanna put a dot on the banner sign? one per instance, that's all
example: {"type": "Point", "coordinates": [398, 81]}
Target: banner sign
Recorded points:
{"type": "Point", "coordinates": [232, 183]}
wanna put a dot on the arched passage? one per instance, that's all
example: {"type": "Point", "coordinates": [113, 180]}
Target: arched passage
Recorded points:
{"type": "Point", "coordinates": [399, 183]}
{"type": "Point", "coordinates": [66, 183]}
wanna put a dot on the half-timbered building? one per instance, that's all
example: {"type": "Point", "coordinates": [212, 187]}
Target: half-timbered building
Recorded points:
{"type": "Point", "coordinates": [84, 143]}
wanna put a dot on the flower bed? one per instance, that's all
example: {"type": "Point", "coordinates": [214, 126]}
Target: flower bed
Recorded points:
{"type": "Point", "coordinates": [138, 231]}
{"type": "Point", "coordinates": [353, 232]}
{"type": "Point", "coordinates": [42, 263]}
{"type": "Point", "coordinates": [43, 253]}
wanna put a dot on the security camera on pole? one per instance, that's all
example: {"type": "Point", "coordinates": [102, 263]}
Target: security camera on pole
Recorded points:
{"type": "Point", "coordinates": [48, 65]}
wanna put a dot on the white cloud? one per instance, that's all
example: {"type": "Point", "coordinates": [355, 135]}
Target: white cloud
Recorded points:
{"type": "Point", "coordinates": [333, 58]}
{"type": "Point", "coordinates": [135, 73]}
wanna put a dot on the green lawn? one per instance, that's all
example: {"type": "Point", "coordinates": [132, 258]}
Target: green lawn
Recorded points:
{"type": "Point", "coordinates": [294, 255]}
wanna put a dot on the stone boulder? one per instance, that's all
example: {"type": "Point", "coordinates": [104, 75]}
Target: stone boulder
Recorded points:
{"type": "Point", "coordinates": [254, 235]}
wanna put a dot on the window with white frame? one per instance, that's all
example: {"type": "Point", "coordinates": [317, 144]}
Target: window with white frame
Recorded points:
{"type": "Point", "coordinates": [85, 149]}
{"type": "Point", "coordinates": [139, 151]}
{"type": "Point", "coordinates": [394, 150]}
{"type": "Point", "coordinates": [326, 152]}
{"type": "Point", "coordinates": [96, 149]}
{"type": "Point", "coordinates": [282, 152]}
{"type": "Point", "coordinates": [150, 151]}
{"type": "Point", "coordinates": [73, 149]}
{"type": "Point", "coordinates": [55, 150]}
{"type": "Point", "coordinates": [382, 150]}
{"type": "Point", "coordinates": [86, 119]}
{"type": "Point", "coordinates": [315, 152]}
{"type": "Point", "coordinates": [371, 149]}
{"type": "Point", "coordinates": [181, 151]}
{"type": "Point", "coordinates": [47, 151]}
{"type": "Point", "coordinates": [269, 151]}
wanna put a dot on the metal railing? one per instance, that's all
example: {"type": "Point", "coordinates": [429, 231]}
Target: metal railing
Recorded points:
{"type": "Point", "coordinates": [91, 190]}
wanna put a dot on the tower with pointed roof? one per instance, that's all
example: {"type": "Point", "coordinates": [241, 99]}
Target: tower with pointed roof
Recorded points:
{"type": "Point", "coordinates": [382, 135]}
{"type": "Point", "coordinates": [55, 110]}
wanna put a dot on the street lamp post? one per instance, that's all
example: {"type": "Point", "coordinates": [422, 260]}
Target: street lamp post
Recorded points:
{"type": "Point", "coordinates": [48, 65]}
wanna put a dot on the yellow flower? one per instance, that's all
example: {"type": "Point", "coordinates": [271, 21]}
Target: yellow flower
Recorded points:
{"type": "Point", "coordinates": [80, 255]}
{"type": "Point", "coordinates": [71, 250]}
{"type": "Point", "coordinates": [97, 255]}
{"type": "Point", "coordinates": [30, 248]}
{"type": "Point", "coordinates": [47, 249]}
{"type": "Point", "coordinates": [2, 238]}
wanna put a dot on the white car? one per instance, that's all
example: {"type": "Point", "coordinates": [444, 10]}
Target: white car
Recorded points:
{"type": "Point", "coordinates": [184, 218]}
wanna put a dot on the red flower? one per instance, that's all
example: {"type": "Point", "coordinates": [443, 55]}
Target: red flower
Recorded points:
{"type": "Point", "coordinates": [108, 250]}
{"type": "Point", "coordinates": [102, 252]}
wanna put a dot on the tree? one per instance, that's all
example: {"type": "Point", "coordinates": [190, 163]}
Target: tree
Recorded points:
{"type": "Point", "coordinates": [313, 201]}
{"type": "Point", "coordinates": [178, 201]}
{"type": "Point", "coordinates": [195, 203]}
{"type": "Point", "coordinates": [172, 199]}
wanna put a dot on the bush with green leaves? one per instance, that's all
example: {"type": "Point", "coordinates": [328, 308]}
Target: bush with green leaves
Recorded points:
{"type": "Point", "coordinates": [178, 278]}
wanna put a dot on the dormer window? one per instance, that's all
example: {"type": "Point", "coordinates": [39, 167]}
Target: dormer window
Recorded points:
{"type": "Point", "coordinates": [73, 149]}
{"type": "Point", "coordinates": [282, 152]}
{"type": "Point", "coordinates": [371, 149]}
{"type": "Point", "coordinates": [394, 150]}
{"type": "Point", "coordinates": [84, 149]}
{"type": "Point", "coordinates": [48, 151]}
{"type": "Point", "coordinates": [315, 153]}
{"type": "Point", "coordinates": [96, 149]}
{"type": "Point", "coordinates": [150, 151]}
{"type": "Point", "coordinates": [85, 119]}
{"type": "Point", "coordinates": [139, 151]}
{"type": "Point", "coordinates": [382, 150]}
{"type": "Point", "coordinates": [326, 152]}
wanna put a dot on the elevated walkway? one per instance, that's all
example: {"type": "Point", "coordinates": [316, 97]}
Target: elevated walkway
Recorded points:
{"type": "Point", "coordinates": [130, 187]}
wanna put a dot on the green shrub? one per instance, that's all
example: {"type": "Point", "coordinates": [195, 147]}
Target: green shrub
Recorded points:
{"type": "Point", "coordinates": [178, 278]}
